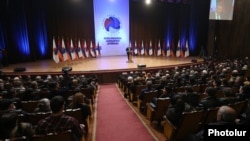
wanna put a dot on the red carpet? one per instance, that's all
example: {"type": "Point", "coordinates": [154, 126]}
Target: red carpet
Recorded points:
{"type": "Point", "coordinates": [116, 121]}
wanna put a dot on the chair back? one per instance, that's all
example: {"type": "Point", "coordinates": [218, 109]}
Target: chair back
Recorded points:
{"type": "Point", "coordinates": [64, 136]}
{"type": "Point", "coordinates": [29, 106]}
{"type": "Point", "coordinates": [157, 113]}
{"type": "Point", "coordinates": [34, 118]}
{"type": "Point", "coordinates": [161, 108]}
{"type": "Point", "coordinates": [148, 96]}
{"type": "Point", "coordinates": [76, 113]}
{"type": "Point", "coordinates": [189, 123]}
{"type": "Point", "coordinates": [239, 107]}
{"type": "Point", "coordinates": [133, 96]}
{"type": "Point", "coordinates": [210, 115]}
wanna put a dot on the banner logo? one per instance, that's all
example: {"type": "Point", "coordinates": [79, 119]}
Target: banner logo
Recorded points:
{"type": "Point", "coordinates": [112, 24]}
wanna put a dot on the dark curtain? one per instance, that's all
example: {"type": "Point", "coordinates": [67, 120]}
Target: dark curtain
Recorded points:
{"type": "Point", "coordinates": [171, 21]}
{"type": "Point", "coordinates": [27, 27]}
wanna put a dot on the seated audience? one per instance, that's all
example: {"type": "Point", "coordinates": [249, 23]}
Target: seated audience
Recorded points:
{"type": "Point", "coordinates": [58, 122]}
{"type": "Point", "coordinates": [166, 92]}
{"type": "Point", "coordinates": [229, 96]}
{"type": "Point", "coordinates": [78, 101]}
{"type": "Point", "coordinates": [176, 108]}
{"type": "Point", "coordinates": [43, 106]}
{"type": "Point", "coordinates": [244, 93]}
{"type": "Point", "coordinates": [7, 105]}
{"type": "Point", "coordinates": [147, 89]}
{"type": "Point", "coordinates": [10, 128]}
{"type": "Point", "coordinates": [191, 97]}
{"type": "Point", "coordinates": [245, 116]}
{"type": "Point", "coordinates": [210, 100]}
{"type": "Point", "coordinates": [225, 116]}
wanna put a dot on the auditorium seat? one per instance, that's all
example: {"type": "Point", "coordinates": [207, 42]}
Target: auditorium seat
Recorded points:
{"type": "Point", "coordinates": [239, 107]}
{"type": "Point", "coordinates": [210, 115]}
{"type": "Point", "coordinates": [133, 96]}
{"type": "Point", "coordinates": [29, 106]}
{"type": "Point", "coordinates": [148, 96]}
{"type": "Point", "coordinates": [189, 124]}
{"type": "Point", "coordinates": [64, 136]}
{"type": "Point", "coordinates": [33, 118]}
{"type": "Point", "coordinates": [156, 113]}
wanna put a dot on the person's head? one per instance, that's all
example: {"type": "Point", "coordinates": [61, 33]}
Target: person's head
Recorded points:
{"type": "Point", "coordinates": [57, 104]}
{"type": "Point", "coordinates": [8, 120]}
{"type": "Point", "coordinates": [178, 103]}
{"type": "Point", "coordinates": [168, 89]}
{"type": "Point", "coordinates": [44, 105]}
{"type": "Point", "coordinates": [7, 104]}
{"type": "Point", "coordinates": [228, 92]}
{"type": "Point", "coordinates": [210, 91]}
{"type": "Point", "coordinates": [78, 98]}
{"type": "Point", "coordinates": [189, 89]}
{"type": "Point", "coordinates": [226, 113]}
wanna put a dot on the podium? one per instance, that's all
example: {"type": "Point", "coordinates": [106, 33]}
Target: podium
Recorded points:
{"type": "Point", "coordinates": [129, 53]}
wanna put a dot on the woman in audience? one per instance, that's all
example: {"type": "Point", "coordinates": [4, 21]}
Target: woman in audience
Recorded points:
{"type": "Point", "coordinates": [79, 101]}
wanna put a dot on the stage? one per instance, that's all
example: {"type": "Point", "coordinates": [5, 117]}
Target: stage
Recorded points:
{"type": "Point", "coordinates": [99, 65]}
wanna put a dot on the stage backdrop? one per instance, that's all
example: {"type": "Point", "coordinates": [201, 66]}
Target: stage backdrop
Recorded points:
{"type": "Point", "coordinates": [111, 19]}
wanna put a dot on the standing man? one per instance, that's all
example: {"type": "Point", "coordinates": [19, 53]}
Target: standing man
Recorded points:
{"type": "Point", "coordinates": [128, 50]}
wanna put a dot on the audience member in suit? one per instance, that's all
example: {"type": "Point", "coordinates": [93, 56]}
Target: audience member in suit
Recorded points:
{"type": "Point", "coordinates": [74, 85]}
{"type": "Point", "coordinates": [220, 11]}
{"type": "Point", "coordinates": [245, 116]}
{"type": "Point", "coordinates": [147, 89]}
{"type": "Point", "coordinates": [55, 89]}
{"type": "Point", "coordinates": [58, 122]}
{"type": "Point", "coordinates": [161, 86]}
{"type": "Point", "coordinates": [78, 101]}
{"type": "Point", "coordinates": [217, 84]}
{"type": "Point", "coordinates": [166, 92]}
{"type": "Point", "coordinates": [210, 101]}
{"type": "Point", "coordinates": [176, 108]}
{"type": "Point", "coordinates": [225, 116]}
{"type": "Point", "coordinates": [129, 86]}
{"type": "Point", "coordinates": [191, 97]}
{"type": "Point", "coordinates": [10, 128]}
{"type": "Point", "coordinates": [86, 85]}
{"type": "Point", "coordinates": [229, 96]}
{"type": "Point", "coordinates": [244, 93]}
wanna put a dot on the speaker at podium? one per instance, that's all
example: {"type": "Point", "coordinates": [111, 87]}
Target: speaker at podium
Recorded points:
{"type": "Point", "coordinates": [129, 54]}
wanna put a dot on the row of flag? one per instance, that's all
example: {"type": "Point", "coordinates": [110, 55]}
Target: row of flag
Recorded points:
{"type": "Point", "coordinates": [159, 49]}
{"type": "Point", "coordinates": [74, 50]}
{"type": "Point", "coordinates": [81, 49]}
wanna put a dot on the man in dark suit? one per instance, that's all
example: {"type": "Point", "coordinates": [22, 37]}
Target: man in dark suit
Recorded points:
{"type": "Point", "coordinates": [219, 12]}
{"type": "Point", "coordinates": [128, 50]}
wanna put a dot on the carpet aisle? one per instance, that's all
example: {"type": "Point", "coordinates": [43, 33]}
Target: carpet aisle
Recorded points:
{"type": "Point", "coordinates": [115, 120]}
